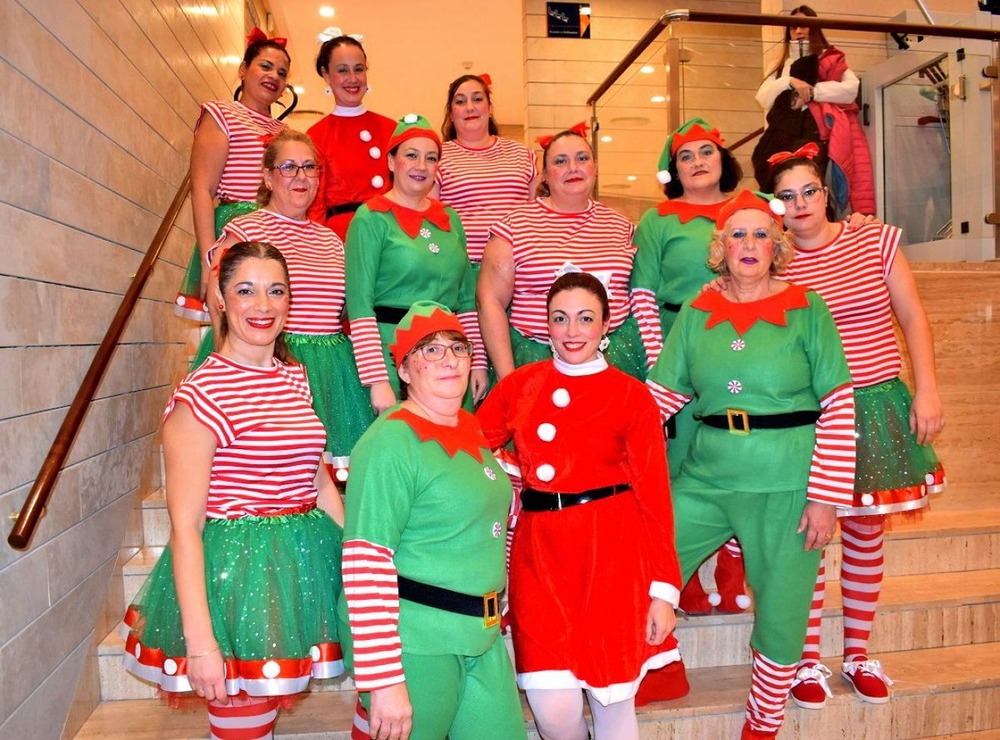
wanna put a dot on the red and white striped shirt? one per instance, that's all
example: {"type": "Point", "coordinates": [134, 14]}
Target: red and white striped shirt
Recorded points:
{"type": "Point", "coordinates": [546, 243]}
{"type": "Point", "coordinates": [269, 438]}
{"type": "Point", "coordinates": [484, 185]}
{"type": "Point", "coordinates": [248, 132]}
{"type": "Point", "coordinates": [315, 257]}
{"type": "Point", "coordinates": [850, 273]}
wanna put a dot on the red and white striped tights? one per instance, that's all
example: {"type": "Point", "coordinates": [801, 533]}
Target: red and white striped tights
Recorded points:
{"type": "Point", "coordinates": [244, 718]}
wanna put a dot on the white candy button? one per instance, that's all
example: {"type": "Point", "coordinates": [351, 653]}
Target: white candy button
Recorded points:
{"type": "Point", "coordinates": [375, 152]}
{"type": "Point", "coordinates": [377, 181]}
{"type": "Point", "coordinates": [560, 397]}
{"type": "Point", "coordinates": [546, 432]}
{"type": "Point", "coordinates": [545, 472]}
{"type": "Point", "coordinates": [365, 135]}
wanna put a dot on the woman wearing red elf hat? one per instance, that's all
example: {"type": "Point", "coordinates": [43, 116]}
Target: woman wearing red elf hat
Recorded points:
{"type": "Point", "coordinates": [762, 364]}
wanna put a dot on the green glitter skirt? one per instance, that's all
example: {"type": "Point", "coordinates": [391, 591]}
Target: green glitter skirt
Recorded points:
{"type": "Point", "coordinates": [894, 472]}
{"type": "Point", "coordinates": [272, 583]}
{"type": "Point", "coordinates": [188, 303]}
{"type": "Point", "coordinates": [625, 350]}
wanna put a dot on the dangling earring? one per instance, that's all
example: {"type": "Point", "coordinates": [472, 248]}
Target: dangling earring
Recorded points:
{"type": "Point", "coordinates": [603, 344]}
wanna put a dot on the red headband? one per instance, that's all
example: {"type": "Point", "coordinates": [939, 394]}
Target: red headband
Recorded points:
{"type": "Point", "coordinates": [580, 129]}
{"type": "Point", "coordinates": [257, 35]}
{"type": "Point", "coordinates": [806, 151]}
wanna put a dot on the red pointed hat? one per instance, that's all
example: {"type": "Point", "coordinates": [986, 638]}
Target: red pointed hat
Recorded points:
{"type": "Point", "coordinates": [423, 318]}
{"type": "Point", "coordinates": [749, 200]}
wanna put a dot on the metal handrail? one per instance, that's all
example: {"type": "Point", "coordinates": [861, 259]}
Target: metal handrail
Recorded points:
{"type": "Point", "coordinates": [798, 21]}
{"type": "Point", "coordinates": [34, 506]}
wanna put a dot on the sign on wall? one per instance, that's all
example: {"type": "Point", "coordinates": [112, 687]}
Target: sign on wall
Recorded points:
{"type": "Point", "coordinates": [568, 20]}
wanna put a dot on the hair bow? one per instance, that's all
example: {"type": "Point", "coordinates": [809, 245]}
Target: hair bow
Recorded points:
{"type": "Point", "coordinates": [580, 129]}
{"type": "Point", "coordinates": [485, 77]}
{"type": "Point", "coordinates": [806, 151]}
{"type": "Point", "coordinates": [257, 35]}
{"type": "Point", "coordinates": [332, 32]}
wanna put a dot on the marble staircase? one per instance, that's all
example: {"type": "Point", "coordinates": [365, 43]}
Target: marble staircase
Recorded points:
{"type": "Point", "coordinates": [938, 627]}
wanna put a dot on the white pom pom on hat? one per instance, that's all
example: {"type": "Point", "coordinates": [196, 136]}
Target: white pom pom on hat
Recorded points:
{"type": "Point", "coordinates": [663, 177]}
{"type": "Point", "coordinates": [777, 207]}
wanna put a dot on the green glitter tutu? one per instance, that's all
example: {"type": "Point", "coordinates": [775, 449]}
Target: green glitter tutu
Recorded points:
{"type": "Point", "coordinates": [273, 584]}
{"type": "Point", "coordinates": [625, 350]}
{"type": "Point", "coordinates": [894, 473]}
{"type": "Point", "coordinates": [188, 303]}
{"type": "Point", "coordinates": [340, 401]}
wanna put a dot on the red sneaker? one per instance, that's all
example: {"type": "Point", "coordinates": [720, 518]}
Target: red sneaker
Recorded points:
{"type": "Point", "coordinates": [810, 688]}
{"type": "Point", "coordinates": [868, 680]}
{"type": "Point", "coordinates": [751, 734]}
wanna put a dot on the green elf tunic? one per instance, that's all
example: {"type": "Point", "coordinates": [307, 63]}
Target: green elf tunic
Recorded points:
{"type": "Point", "coordinates": [778, 355]}
{"type": "Point", "coordinates": [671, 267]}
{"type": "Point", "coordinates": [429, 503]}
{"type": "Point", "coordinates": [394, 257]}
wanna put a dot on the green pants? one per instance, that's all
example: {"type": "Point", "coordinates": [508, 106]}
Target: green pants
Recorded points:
{"type": "Point", "coordinates": [781, 574]}
{"type": "Point", "coordinates": [462, 697]}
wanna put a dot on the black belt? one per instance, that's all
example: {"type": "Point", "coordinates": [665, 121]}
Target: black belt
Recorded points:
{"type": "Point", "coordinates": [389, 314]}
{"type": "Point", "coordinates": [533, 500]}
{"type": "Point", "coordinates": [675, 307]}
{"type": "Point", "coordinates": [738, 421]}
{"type": "Point", "coordinates": [332, 211]}
{"type": "Point", "coordinates": [486, 607]}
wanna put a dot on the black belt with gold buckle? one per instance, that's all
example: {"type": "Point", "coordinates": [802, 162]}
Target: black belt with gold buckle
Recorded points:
{"type": "Point", "coordinates": [533, 500]}
{"type": "Point", "coordinates": [487, 607]}
{"type": "Point", "coordinates": [738, 421]}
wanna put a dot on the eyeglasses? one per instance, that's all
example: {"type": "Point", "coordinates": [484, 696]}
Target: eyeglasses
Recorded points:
{"type": "Point", "coordinates": [290, 169]}
{"type": "Point", "coordinates": [809, 194]}
{"type": "Point", "coordinates": [436, 352]}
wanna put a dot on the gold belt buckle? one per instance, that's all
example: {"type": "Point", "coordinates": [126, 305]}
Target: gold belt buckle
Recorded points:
{"type": "Point", "coordinates": [491, 610]}
{"type": "Point", "coordinates": [742, 415]}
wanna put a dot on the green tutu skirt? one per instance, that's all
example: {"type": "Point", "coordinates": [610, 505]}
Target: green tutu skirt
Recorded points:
{"type": "Point", "coordinates": [188, 303]}
{"type": "Point", "coordinates": [273, 584]}
{"type": "Point", "coordinates": [625, 350]}
{"type": "Point", "coordinates": [894, 472]}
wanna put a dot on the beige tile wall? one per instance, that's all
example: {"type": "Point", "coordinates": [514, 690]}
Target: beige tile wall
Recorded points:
{"type": "Point", "coordinates": [95, 130]}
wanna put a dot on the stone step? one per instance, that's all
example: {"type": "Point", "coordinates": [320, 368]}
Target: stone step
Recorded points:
{"type": "Point", "coordinates": [951, 692]}
{"type": "Point", "coordinates": [916, 612]}
{"type": "Point", "coordinates": [155, 521]}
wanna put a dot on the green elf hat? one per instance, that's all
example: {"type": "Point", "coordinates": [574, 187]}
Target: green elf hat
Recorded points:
{"type": "Point", "coordinates": [411, 126]}
{"type": "Point", "coordinates": [693, 130]}
{"type": "Point", "coordinates": [751, 200]}
{"type": "Point", "coordinates": [423, 318]}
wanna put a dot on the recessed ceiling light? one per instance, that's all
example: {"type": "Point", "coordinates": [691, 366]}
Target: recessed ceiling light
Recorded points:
{"type": "Point", "coordinates": [299, 90]}
{"type": "Point", "coordinates": [657, 99]}
{"type": "Point", "coordinates": [606, 138]}
{"type": "Point", "coordinates": [230, 59]}
{"type": "Point", "coordinates": [326, 11]}
{"type": "Point", "coordinates": [647, 69]}
{"type": "Point", "coordinates": [631, 178]}
{"type": "Point", "coordinates": [206, 10]}
{"type": "Point", "coordinates": [584, 10]}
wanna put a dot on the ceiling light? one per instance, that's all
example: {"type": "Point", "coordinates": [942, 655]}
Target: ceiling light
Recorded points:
{"type": "Point", "coordinates": [230, 59]}
{"type": "Point", "coordinates": [658, 99]}
{"type": "Point", "coordinates": [206, 10]}
{"type": "Point", "coordinates": [606, 138]}
{"type": "Point", "coordinates": [631, 178]}
{"type": "Point", "coordinates": [647, 69]}
{"type": "Point", "coordinates": [584, 10]}
{"type": "Point", "coordinates": [326, 11]}
{"type": "Point", "coordinates": [299, 90]}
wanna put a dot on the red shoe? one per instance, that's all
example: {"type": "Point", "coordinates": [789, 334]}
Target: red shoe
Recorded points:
{"type": "Point", "coordinates": [694, 600]}
{"type": "Point", "coordinates": [751, 734]}
{"type": "Point", "coordinates": [810, 688]}
{"type": "Point", "coordinates": [868, 680]}
{"type": "Point", "coordinates": [729, 580]}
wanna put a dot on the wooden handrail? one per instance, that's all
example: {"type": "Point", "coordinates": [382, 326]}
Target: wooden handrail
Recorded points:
{"type": "Point", "coordinates": [34, 505]}
{"type": "Point", "coordinates": [749, 137]}
{"type": "Point", "coordinates": [800, 21]}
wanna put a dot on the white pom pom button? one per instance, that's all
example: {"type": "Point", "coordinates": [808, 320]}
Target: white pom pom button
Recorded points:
{"type": "Point", "coordinates": [271, 669]}
{"type": "Point", "coordinates": [375, 152]}
{"type": "Point", "coordinates": [377, 181]}
{"type": "Point", "coordinates": [314, 653]}
{"type": "Point", "coordinates": [546, 432]}
{"type": "Point", "coordinates": [365, 135]}
{"type": "Point", "coordinates": [560, 397]}
{"type": "Point", "coordinates": [170, 666]}
{"type": "Point", "coordinates": [545, 472]}
{"type": "Point", "coordinates": [411, 118]}
{"type": "Point", "coordinates": [867, 499]}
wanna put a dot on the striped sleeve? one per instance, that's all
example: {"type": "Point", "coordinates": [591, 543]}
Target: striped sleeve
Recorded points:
{"type": "Point", "coordinates": [470, 323]}
{"type": "Point", "coordinates": [831, 473]}
{"type": "Point", "coordinates": [372, 593]}
{"type": "Point", "coordinates": [368, 353]}
{"type": "Point", "coordinates": [205, 411]}
{"type": "Point", "coordinates": [669, 401]}
{"type": "Point", "coordinates": [647, 313]}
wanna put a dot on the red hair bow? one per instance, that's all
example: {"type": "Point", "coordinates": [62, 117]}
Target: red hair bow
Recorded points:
{"type": "Point", "coordinates": [485, 77]}
{"type": "Point", "coordinates": [257, 35]}
{"type": "Point", "coordinates": [806, 151]}
{"type": "Point", "coordinates": [579, 129]}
